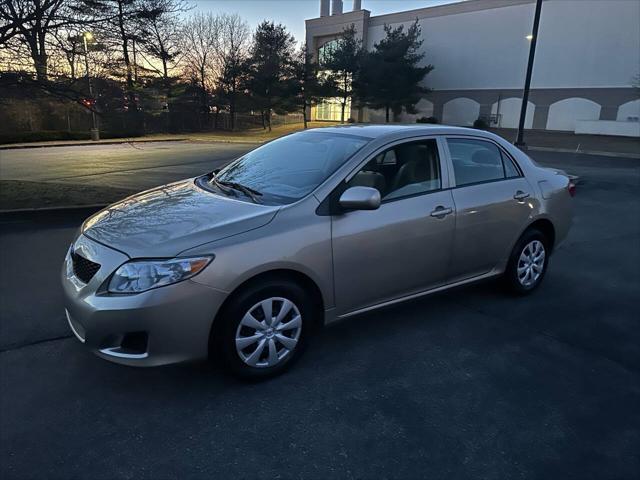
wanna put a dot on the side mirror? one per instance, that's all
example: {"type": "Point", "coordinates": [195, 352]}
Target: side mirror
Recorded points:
{"type": "Point", "coordinates": [360, 198]}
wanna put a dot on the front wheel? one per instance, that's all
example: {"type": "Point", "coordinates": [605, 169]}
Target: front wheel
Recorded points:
{"type": "Point", "coordinates": [528, 263]}
{"type": "Point", "coordinates": [265, 328]}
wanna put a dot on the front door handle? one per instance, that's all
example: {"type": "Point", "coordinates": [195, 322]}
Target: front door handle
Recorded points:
{"type": "Point", "coordinates": [441, 212]}
{"type": "Point", "coordinates": [520, 195]}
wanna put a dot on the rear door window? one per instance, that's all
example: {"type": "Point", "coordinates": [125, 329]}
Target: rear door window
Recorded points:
{"type": "Point", "coordinates": [475, 161]}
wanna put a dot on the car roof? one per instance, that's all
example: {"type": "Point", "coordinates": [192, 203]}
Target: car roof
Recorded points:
{"type": "Point", "coordinates": [379, 131]}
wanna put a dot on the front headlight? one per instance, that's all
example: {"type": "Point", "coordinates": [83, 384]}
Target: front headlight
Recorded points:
{"type": "Point", "coordinates": [141, 275]}
{"type": "Point", "coordinates": [68, 264]}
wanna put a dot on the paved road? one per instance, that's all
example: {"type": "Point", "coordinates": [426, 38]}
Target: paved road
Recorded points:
{"type": "Point", "coordinates": [467, 384]}
{"type": "Point", "coordinates": [134, 165]}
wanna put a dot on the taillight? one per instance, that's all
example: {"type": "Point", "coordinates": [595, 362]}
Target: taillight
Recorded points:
{"type": "Point", "coordinates": [572, 188]}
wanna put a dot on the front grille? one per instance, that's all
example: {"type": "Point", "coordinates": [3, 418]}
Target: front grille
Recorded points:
{"type": "Point", "coordinates": [83, 268]}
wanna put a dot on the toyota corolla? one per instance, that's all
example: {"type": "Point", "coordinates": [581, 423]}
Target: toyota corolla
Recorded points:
{"type": "Point", "coordinates": [243, 264]}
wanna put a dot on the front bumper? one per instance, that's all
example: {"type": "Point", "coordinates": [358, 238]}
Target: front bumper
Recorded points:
{"type": "Point", "coordinates": [166, 325]}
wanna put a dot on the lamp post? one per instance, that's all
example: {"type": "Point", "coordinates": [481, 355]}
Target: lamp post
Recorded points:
{"type": "Point", "coordinates": [533, 38]}
{"type": "Point", "coordinates": [95, 133]}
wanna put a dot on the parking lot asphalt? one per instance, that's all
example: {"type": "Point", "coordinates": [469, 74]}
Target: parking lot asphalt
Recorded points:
{"type": "Point", "coordinates": [467, 384]}
{"type": "Point", "coordinates": [126, 165]}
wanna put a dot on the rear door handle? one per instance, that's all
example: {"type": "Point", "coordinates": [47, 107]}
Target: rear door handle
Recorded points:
{"type": "Point", "coordinates": [520, 195]}
{"type": "Point", "coordinates": [441, 212]}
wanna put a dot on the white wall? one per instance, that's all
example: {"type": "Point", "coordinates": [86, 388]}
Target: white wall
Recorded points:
{"type": "Point", "coordinates": [582, 43]}
{"type": "Point", "coordinates": [510, 113]}
{"type": "Point", "coordinates": [564, 113]}
{"type": "Point", "coordinates": [629, 109]}
{"type": "Point", "coordinates": [460, 111]}
{"type": "Point", "coordinates": [375, 116]}
{"type": "Point", "coordinates": [588, 44]}
{"type": "Point", "coordinates": [424, 108]}
{"type": "Point", "coordinates": [608, 127]}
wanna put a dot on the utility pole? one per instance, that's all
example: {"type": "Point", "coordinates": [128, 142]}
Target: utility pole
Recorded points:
{"type": "Point", "coordinates": [527, 82]}
{"type": "Point", "coordinates": [95, 133]}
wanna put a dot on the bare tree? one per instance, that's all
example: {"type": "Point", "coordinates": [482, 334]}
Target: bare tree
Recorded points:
{"type": "Point", "coordinates": [32, 22]}
{"type": "Point", "coordinates": [118, 27]}
{"type": "Point", "coordinates": [66, 51]}
{"type": "Point", "coordinates": [160, 30]}
{"type": "Point", "coordinates": [233, 50]}
{"type": "Point", "coordinates": [200, 43]}
{"type": "Point", "coordinates": [10, 23]}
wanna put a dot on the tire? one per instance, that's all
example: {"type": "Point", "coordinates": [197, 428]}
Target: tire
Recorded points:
{"type": "Point", "coordinates": [526, 256]}
{"type": "Point", "coordinates": [237, 338]}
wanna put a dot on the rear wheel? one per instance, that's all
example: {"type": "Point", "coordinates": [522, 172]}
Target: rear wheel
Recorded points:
{"type": "Point", "coordinates": [528, 263]}
{"type": "Point", "coordinates": [265, 329]}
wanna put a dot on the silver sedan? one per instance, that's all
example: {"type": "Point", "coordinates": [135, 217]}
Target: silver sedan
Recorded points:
{"type": "Point", "coordinates": [245, 263]}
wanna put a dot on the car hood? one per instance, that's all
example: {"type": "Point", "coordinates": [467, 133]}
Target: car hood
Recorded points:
{"type": "Point", "coordinates": [167, 220]}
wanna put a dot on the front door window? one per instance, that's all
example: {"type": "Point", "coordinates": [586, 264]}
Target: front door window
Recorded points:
{"type": "Point", "coordinates": [402, 171]}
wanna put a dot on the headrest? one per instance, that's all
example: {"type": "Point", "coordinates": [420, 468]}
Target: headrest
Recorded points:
{"type": "Point", "coordinates": [408, 153]}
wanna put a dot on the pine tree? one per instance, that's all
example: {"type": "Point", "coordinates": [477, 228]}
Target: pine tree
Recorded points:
{"type": "Point", "coordinates": [269, 68]}
{"type": "Point", "coordinates": [344, 64]}
{"type": "Point", "coordinates": [391, 77]}
{"type": "Point", "coordinates": [307, 85]}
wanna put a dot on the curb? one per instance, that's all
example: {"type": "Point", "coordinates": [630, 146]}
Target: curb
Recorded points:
{"type": "Point", "coordinates": [245, 142]}
{"type": "Point", "coordinates": [50, 211]}
{"type": "Point", "coordinates": [585, 152]}
{"type": "Point", "coordinates": [114, 142]}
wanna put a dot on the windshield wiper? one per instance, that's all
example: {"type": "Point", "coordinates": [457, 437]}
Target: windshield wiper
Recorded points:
{"type": "Point", "coordinates": [248, 191]}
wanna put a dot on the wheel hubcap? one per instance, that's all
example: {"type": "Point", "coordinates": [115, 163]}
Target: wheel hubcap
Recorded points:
{"type": "Point", "coordinates": [268, 332]}
{"type": "Point", "coordinates": [531, 263]}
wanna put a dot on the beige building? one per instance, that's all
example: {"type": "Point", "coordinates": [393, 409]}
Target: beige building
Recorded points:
{"type": "Point", "coordinates": [587, 60]}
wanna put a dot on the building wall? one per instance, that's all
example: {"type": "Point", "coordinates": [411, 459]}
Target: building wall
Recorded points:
{"type": "Point", "coordinates": [582, 44]}
{"type": "Point", "coordinates": [507, 112]}
{"type": "Point", "coordinates": [588, 52]}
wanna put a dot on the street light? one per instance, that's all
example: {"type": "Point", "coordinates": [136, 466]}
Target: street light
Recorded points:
{"type": "Point", "coordinates": [95, 133]}
{"type": "Point", "coordinates": [533, 38]}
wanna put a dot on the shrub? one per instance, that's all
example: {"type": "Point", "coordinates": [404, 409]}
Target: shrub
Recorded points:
{"type": "Point", "coordinates": [481, 124]}
{"type": "Point", "coordinates": [427, 120]}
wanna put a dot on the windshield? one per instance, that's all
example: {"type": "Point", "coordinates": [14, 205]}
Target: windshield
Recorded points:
{"type": "Point", "coordinates": [291, 167]}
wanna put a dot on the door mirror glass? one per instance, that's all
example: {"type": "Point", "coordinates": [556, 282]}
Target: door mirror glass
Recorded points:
{"type": "Point", "coordinates": [360, 198]}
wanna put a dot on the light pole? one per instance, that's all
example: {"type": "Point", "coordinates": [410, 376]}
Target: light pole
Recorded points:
{"type": "Point", "coordinates": [533, 38]}
{"type": "Point", "coordinates": [95, 133]}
